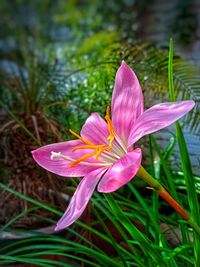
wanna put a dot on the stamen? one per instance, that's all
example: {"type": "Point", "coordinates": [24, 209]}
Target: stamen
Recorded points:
{"type": "Point", "coordinates": [81, 138]}
{"type": "Point", "coordinates": [87, 147]}
{"type": "Point", "coordinates": [111, 137]}
{"type": "Point", "coordinates": [98, 149]}
{"type": "Point", "coordinates": [82, 158]}
{"type": "Point", "coordinates": [120, 143]}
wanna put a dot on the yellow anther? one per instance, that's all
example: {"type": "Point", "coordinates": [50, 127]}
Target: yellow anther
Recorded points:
{"type": "Point", "coordinates": [81, 138]}
{"type": "Point", "coordinates": [98, 149]}
{"type": "Point", "coordinates": [111, 137]}
{"type": "Point", "coordinates": [87, 147]}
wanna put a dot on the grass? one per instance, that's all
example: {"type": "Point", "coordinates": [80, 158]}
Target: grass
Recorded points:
{"type": "Point", "coordinates": [186, 164]}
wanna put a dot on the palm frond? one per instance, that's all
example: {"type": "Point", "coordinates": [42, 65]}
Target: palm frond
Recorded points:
{"type": "Point", "coordinates": [150, 63]}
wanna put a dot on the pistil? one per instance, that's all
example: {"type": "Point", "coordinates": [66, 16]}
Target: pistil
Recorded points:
{"type": "Point", "coordinates": [95, 164]}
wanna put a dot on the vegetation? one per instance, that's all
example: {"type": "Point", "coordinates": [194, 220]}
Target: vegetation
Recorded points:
{"type": "Point", "coordinates": [57, 65]}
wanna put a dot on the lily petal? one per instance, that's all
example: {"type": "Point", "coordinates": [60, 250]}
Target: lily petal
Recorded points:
{"type": "Point", "coordinates": [127, 101]}
{"type": "Point", "coordinates": [158, 117]}
{"type": "Point", "coordinates": [61, 166]}
{"type": "Point", "coordinates": [95, 129]}
{"type": "Point", "coordinates": [121, 172]}
{"type": "Point", "coordinates": [80, 199]}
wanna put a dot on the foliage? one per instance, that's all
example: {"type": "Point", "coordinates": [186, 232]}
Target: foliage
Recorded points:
{"type": "Point", "coordinates": [117, 227]}
{"type": "Point", "coordinates": [62, 63]}
{"type": "Point", "coordinates": [28, 85]}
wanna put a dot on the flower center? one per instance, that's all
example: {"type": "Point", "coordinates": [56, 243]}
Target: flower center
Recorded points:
{"type": "Point", "coordinates": [97, 149]}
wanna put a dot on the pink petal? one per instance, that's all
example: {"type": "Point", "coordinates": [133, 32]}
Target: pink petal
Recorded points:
{"type": "Point", "coordinates": [158, 117]}
{"type": "Point", "coordinates": [80, 199]}
{"type": "Point", "coordinates": [127, 101]}
{"type": "Point", "coordinates": [121, 172]}
{"type": "Point", "coordinates": [61, 166]}
{"type": "Point", "coordinates": [95, 129]}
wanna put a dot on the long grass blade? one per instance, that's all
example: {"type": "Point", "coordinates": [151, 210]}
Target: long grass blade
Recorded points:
{"type": "Point", "coordinates": [186, 164]}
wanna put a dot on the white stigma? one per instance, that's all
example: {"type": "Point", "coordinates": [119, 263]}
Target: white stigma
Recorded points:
{"type": "Point", "coordinates": [55, 154]}
{"type": "Point", "coordinates": [61, 156]}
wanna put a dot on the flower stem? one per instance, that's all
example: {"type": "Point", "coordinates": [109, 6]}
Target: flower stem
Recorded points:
{"type": "Point", "coordinates": [160, 190]}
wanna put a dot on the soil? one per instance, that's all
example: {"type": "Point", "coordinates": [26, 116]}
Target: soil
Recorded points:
{"type": "Point", "coordinates": [20, 172]}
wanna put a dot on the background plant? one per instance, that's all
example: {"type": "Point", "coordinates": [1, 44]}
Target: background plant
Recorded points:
{"type": "Point", "coordinates": [62, 63]}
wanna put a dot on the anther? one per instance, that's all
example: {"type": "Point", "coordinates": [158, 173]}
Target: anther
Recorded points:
{"type": "Point", "coordinates": [97, 149]}
{"type": "Point", "coordinates": [111, 137]}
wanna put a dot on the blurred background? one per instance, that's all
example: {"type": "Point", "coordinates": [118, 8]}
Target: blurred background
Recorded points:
{"type": "Point", "coordinates": [58, 61]}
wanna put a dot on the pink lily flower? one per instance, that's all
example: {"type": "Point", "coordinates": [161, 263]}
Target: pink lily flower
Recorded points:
{"type": "Point", "coordinates": [103, 153]}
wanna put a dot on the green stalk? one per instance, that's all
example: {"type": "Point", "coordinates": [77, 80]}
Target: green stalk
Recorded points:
{"type": "Point", "coordinates": [161, 191]}
{"type": "Point", "coordinates": [186, 166]}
